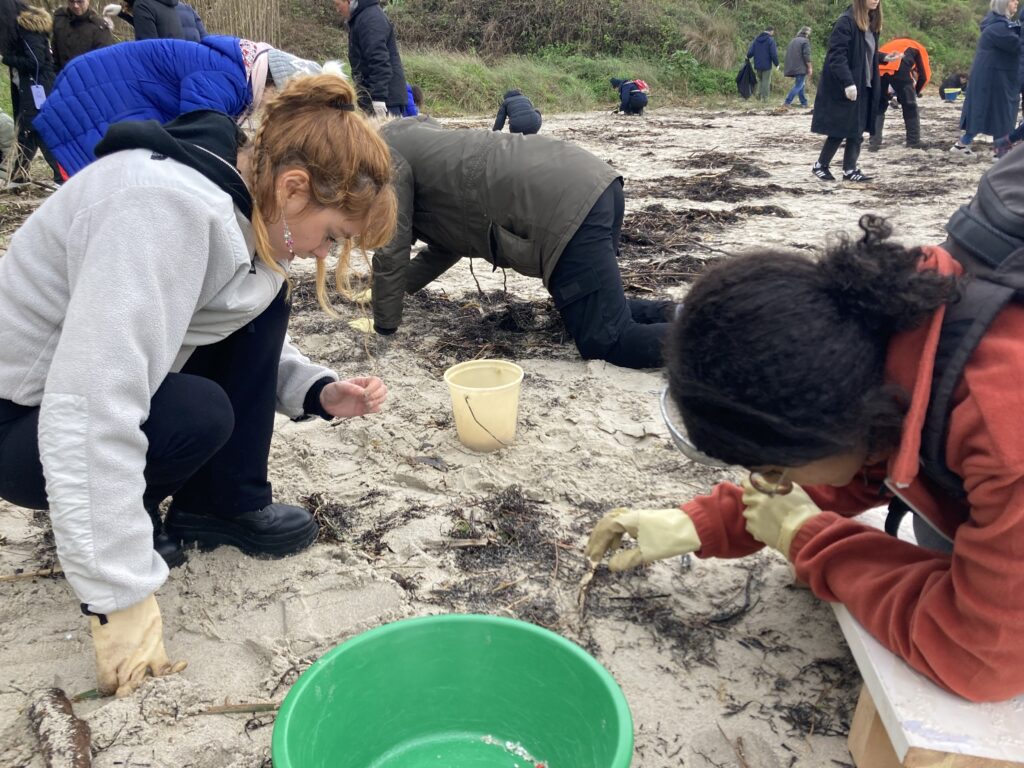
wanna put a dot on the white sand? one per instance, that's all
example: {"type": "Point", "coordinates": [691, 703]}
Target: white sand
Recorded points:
{"type": "Point", "coordinates": [709, 683]}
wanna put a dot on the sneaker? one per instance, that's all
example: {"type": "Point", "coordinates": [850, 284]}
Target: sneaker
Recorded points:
{"type": "Point", "coordinates": [960, 149]}
{"type": "Point", "coordinates": [822, 172]}
{"type": "Point", "coordinates": [277, 529]}
{"type": "Point", "coordinates": [855, 175]}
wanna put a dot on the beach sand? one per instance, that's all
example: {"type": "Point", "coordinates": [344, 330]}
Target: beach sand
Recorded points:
{"type": "Point", "coordinates": [724, 663]}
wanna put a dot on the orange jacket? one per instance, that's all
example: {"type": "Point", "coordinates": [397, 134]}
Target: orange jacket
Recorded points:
{"type": "Point", "coordinates": [900, 45]}
{"type": "Point", "coordinates": [959, 618]}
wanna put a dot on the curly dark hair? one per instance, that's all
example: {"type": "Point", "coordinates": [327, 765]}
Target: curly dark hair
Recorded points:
{"type": "Point", "coordinates": [778, 359]}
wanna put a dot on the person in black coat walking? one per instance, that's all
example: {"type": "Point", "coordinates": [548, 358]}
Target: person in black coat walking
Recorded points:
{"type": "Point", "coordinates": [991, 103]}
{"type": "Point", "coordinates": [522, 116]}
{"type": "Point", "coordinates": [847, 98]}
{"type": "Point", "coordinates": [28, 56]}
{"type": "Point", "coordinates": [373, 57]}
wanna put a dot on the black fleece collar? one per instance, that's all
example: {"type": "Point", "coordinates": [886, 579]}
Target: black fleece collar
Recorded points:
{"type": "Point", "coordinates": [196, 139]}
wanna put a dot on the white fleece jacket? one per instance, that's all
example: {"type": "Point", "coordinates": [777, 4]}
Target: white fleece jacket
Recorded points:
{"type": "Point", "coordinates": [104, 290]}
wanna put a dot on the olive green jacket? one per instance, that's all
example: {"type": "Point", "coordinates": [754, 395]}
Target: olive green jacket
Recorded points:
{"type": "Point", "coordinates": [512, 200]}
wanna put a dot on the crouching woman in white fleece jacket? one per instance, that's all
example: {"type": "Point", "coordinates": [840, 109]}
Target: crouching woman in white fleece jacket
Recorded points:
{"type": "Point", "coordinates": [141, 362]}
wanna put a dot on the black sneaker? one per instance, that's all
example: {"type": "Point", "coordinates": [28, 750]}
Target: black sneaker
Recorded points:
{"type": "Point", "coordinates": [822, 172]}
{"type": "Point", "coordinates": [855, 175]}
{"type": "Point", "coordinates": [277, 529]}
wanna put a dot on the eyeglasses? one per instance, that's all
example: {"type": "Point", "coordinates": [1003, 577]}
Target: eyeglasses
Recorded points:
{"type": "Point", "coordinates": [766, 483]}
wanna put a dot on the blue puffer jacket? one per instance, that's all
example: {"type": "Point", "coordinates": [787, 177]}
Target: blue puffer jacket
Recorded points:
{"type": "Point", "coordinates": [146, 80]}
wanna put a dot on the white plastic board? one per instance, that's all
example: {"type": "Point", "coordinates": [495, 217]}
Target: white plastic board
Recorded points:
{"type": "Point", "coordinates": [917, 713]}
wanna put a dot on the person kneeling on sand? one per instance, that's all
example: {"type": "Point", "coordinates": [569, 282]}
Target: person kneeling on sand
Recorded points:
{"type": "Point", "coordinates": [522, 116]}
{"type": "Point", "coordinates": [540, 206]}
{"type": "Point", "coordinates": [142, 362]}
{"type": "Point", "coordinates": [817, 375]}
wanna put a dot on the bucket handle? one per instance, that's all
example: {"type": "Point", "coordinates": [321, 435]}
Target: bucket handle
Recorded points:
{"type": "Point", "coordinates": [485, 429]}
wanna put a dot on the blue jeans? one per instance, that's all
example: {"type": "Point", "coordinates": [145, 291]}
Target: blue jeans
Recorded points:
{"type": "Point", "coordinates": [798, 90]}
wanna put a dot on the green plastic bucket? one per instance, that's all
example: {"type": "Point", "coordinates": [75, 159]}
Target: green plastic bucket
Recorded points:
{"type": "Point", "coordinates": [463, 691]}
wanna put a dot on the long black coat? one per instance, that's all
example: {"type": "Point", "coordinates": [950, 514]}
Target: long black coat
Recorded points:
{"type": "Point", "coordinates": [373, 57]}
{"type": "Point", "coordinates": [991, 105]}
{"type": "Point", "coordinates": [30, 56]}
{"type": "Point", "coordinates": [845, 64]}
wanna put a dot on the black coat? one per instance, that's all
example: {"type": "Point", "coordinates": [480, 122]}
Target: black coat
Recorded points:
{"type": "Point", "coordinates": [157, 18]}
{"type": "Point", "coordinates": [522, 116]}
{"type": "Point", "coordinates": [991, 104]}
{"type": "Point", "coordinates": [845, 64]}
{"type": "Point", "coordinates": [75, 35]}
{"type": "Point", "coordinates": [30, 57]}
{"type": "Point", "coordinates": [373, 57]}
{"type": "Point", "coordinates": [192, 27]}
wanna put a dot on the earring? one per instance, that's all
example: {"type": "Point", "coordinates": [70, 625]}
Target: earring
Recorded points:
{"type": "Point", "coordinates": [289, 241]}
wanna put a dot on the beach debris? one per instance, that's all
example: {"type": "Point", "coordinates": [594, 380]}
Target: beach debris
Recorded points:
{"type": "Point", "coordinates": [64, 739]}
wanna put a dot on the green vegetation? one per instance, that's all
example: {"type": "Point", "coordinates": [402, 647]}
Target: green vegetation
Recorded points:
{"type": "Point", "coordinates": [561, 52]}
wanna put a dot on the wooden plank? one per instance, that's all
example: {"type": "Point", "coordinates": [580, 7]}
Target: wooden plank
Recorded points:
{"type": "Point", "coordinates": [868, 740]}
{"type": "Point", "coordinates": [927, 726]}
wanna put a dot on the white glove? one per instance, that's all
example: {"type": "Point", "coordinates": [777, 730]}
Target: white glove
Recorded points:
{"type": "Point", "coordinates": [380, 109]}
{"type": "Point", "coordinates": [111, 10]}
{"type": "Point", "coordinates": [361, 324]}
{"type": "Point", "coordinates": [851, 92]}
{"type": "Point", "coordinates": [107, 22]}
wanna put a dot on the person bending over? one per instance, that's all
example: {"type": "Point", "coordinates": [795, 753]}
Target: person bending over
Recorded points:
{"type": "Point", "coordinates": [542, 207]}
{"type": "Point", "coordinates": [817, 375]}
{"type": "Point", "coordinates": [139, 363]}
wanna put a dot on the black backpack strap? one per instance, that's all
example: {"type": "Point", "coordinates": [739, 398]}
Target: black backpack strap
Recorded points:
{"type": "Point", "coordinates": [963, 327]}
{"type": "Point", "coordinates": [898, 509]}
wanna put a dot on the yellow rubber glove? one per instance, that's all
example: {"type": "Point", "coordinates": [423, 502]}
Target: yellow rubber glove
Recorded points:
{"type": "Point", "coordinates": [775, 520]}
{"type": "Point", "coordinates": [659, 533]}
{"type": "Point", "coordinates": [363, 324]}
{"type": "Point", "coordinates": [129, 646]}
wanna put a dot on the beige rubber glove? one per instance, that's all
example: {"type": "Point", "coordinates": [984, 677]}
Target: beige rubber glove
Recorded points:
{"type": "Point", "coordinates": [129, 646]}
{"type": "Point", "coordinates": [363, 324]}
{"type": "Point", "coordinates": [363, 297]}
{"type": "Point", "coordinates": [775, 520]}
{"type": "Point", "coordinates": [659, 533]}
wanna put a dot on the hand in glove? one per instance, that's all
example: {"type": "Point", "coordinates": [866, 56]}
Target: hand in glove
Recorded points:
{"type": "Point", "coordinates": [775, 520]}
{"type": "Point", "coordinates": [380, 109]}
{"type": "Point", "coordinates": [364, 296]}
{"type": "Point", "coordinates": [851, 92]}
{"type": "Point", "coordinates": [363, 324]}
{"type": "Point", "coordinates": [111, 10]}
{"type": "Point", "coordinates": [659, 533]}
{"type": "Point", "coordinates": [129, 646]}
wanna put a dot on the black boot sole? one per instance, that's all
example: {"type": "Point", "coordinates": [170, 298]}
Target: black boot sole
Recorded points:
{"type": "Point", "coordinates": [174, 558]}
{"type": "Point", "coordinates": [169, 549]}
{"type": "Point", "coordinates": [211, 532]}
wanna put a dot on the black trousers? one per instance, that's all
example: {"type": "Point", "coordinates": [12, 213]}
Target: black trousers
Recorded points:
{"type": "Point", "coordinates": [209, 428]}
{"type": "Point", "coordinates": [850, 154]}
{"type": "Point", "coordinates": [587, 289]}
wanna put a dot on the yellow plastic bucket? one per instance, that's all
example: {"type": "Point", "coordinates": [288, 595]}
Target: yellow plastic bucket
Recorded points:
{"type": "Point", "coordinates": [485, 401]}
